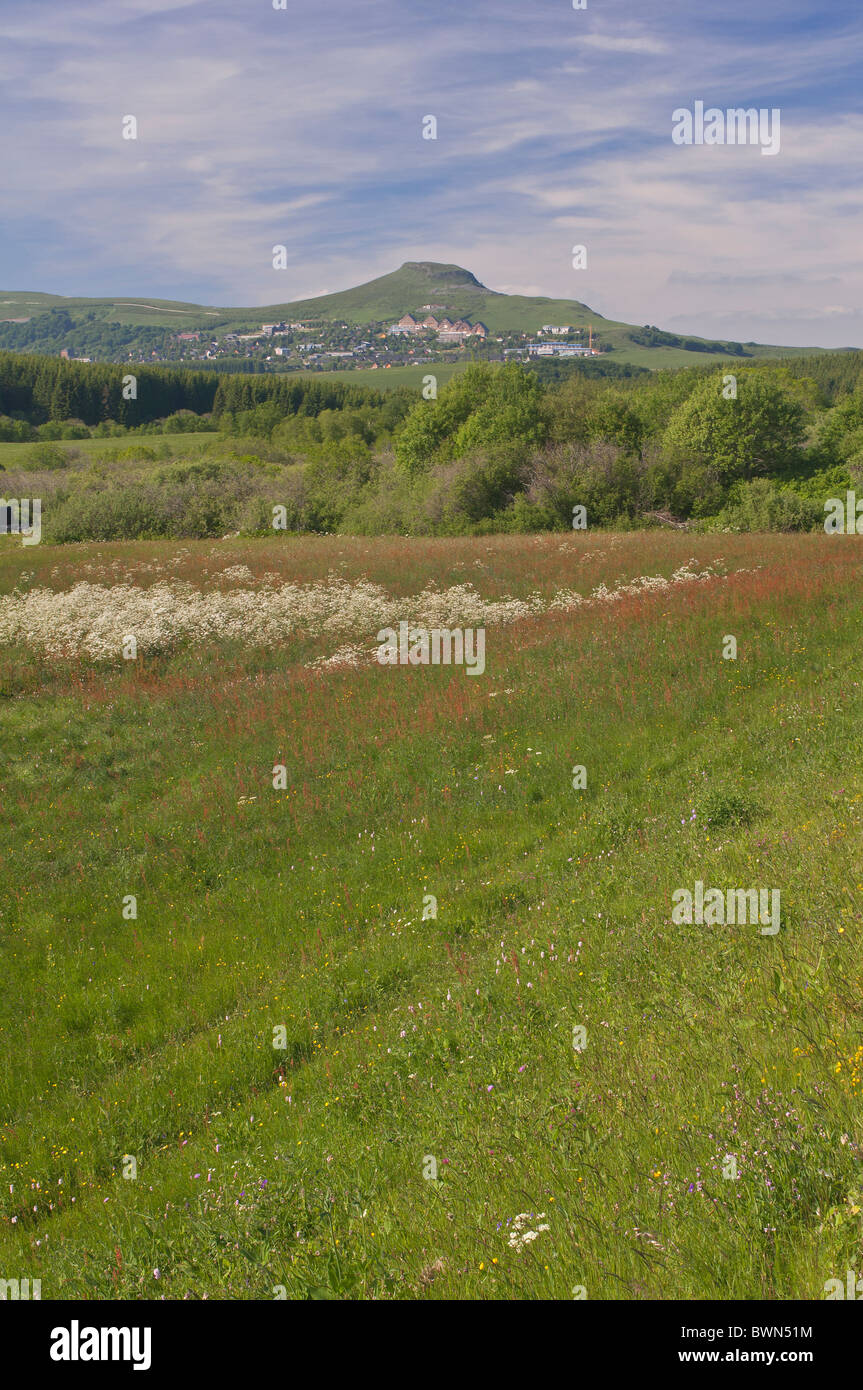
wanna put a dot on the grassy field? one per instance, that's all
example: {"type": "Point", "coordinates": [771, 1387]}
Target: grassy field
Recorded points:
{"type": "Point", "coordinates": [429, 1129]}
{"type": "Point", "coordinates": [624, 352]}
{"type": "Point", "coordinates": [388, 378]}
{"type": "Point", "coordinates": [18, 456]}
{"type": "Point", "coordinates": [666, 357]}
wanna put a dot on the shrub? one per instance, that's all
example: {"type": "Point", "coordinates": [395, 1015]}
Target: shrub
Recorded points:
{"type": "Point", "coordinates": [16, 431]}
{"type": "Point", "coordinates": [723, 808]}
{"type": "Point", "coordinates": [485, 406]}
{"type": "Point", "coordinates": [48, 455]}
{"type": "Point", "coordinates": [472, 489]}
{"type": "Point", "coordinates": [599, 476]}
{"type": "Point", "coordinates": [761, 506]}
{"type": "Point", "coordinates": [136, 453]}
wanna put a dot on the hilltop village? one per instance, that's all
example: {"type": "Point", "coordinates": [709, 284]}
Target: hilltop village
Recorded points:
{"type": "Point", "coordinates": [321, 345]}
{"type": "Point", "coordinates": [433, 333]}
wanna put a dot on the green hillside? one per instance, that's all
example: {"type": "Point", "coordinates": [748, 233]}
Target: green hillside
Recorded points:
{"type": "Point", "coordinates": [31, 321]}
{"type": "Point", "coordinates": [456, 291]}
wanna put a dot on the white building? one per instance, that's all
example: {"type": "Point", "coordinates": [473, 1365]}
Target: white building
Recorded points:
{"type": "Point", "coordinates": [558, 350]}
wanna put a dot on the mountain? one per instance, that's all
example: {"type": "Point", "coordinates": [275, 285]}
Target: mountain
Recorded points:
{"type": "Point", "coordinates": [115, 327]}
{"type": "Point", "coordinates": [402, 291]}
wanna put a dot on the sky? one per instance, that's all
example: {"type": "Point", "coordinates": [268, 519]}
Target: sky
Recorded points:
{"type": "Point", "coordinates": [303, 127]}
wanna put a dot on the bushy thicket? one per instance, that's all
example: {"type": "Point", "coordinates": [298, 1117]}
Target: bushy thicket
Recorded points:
{"type": "Point", "coordinates": [195, 500]}
{"type": "Point", "coordinates": [494, 450]}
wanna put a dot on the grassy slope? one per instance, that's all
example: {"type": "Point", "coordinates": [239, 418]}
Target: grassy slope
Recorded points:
{"type": "Point", "coordinates": [150, 313]}
{"type": "Point", "coordinates": [449, 1037]}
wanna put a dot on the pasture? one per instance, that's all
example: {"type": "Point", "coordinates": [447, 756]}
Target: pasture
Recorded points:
{"type": "Point", "coordinates": [20, 458]}
{"type": "Point", "coordinates": [418, 1023]}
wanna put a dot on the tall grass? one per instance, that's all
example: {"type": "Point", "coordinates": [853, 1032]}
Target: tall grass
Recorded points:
{"type": "Point", "coordinates": [303, 1168]}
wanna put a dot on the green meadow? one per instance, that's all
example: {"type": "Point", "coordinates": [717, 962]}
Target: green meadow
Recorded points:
{"type": "Point", "coordinates": [20, 457]}
{"type": "Point", "coordinates": [417, 1022]}
{"type": "Point", "coordinates": [388, 378]}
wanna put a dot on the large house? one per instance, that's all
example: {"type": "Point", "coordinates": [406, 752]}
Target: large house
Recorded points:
{"type": "Point", "coordinates": [406, 324]}
{"type": "Point", "coordinates": [446, 330]}
{"type": "Point", "coordinates": [461, 329]}
{"type": "Point", "coordinates": [538, 349]}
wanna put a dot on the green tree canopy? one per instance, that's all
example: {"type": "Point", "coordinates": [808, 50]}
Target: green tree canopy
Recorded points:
{"type": "Point", "coordinates": [757, 431]}
{"type": "Point", "coordinates": [485, 406]}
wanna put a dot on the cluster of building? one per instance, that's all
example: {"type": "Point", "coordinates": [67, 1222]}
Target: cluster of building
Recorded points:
{"type": "Point", "coordinates": [318, 344]}
{"type": "Point", "coordinates": [318, 350]}
{"type": "Point", "coordinates": [268, 329]}
{"type": "Point", "coordinates": [539, 348]}
{"type": "Point", "coordinates": [552, 343]}
{"type": "Point", "coordinates": [447, 330]}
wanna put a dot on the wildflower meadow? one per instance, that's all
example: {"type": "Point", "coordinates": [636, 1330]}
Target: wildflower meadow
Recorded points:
{"type": "Point", "coordinates": [336, 979]}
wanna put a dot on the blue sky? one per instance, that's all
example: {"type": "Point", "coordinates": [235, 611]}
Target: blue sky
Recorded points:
{"type": "Point", "coordinates": [304, 127]}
